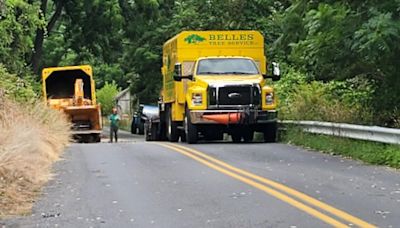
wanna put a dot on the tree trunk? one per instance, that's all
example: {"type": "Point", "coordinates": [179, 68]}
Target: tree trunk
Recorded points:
{"type": "Point", "coordinates": [37, 51]}
{"type": "Point", "coordinates": [40, 34]}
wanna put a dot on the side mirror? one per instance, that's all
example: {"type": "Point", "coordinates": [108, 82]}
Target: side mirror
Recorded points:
{"type": "Point", "coordinates": [276, 72]}
{"type": "Point", "coordinates": [178, 72]}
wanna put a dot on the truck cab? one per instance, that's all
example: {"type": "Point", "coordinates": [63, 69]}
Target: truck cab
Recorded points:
{"type": "Point", "coordinates": [229, 94]}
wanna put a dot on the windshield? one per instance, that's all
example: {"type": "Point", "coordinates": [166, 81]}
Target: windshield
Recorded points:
{"type": "Point", "coordinates": [227, 66]}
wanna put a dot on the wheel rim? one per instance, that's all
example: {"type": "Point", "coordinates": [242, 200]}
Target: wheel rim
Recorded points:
{"type": "Point", "coordinates": [186, 125]}
{"type": "Point", "coordinates": [169, 127]}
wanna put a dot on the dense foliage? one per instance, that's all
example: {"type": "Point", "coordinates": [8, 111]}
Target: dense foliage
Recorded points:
{"type": "Point", "coordinates": [105, 96]}
{"type": "Point", "coordinates": [343, 45]}
{"type": "Point", "coordinates": [16, 88]}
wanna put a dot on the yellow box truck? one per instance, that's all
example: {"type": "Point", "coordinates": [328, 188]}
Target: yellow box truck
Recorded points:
{"type": "Point", "coordinates": [71, 89]}
{"type": "Point", "coordinates": [214, 82]}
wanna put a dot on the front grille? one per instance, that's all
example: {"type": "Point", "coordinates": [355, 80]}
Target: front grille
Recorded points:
{"type": "Point", "coordinates": [228, 96]}
{"type": "Point", "coordinates": [234, 95]}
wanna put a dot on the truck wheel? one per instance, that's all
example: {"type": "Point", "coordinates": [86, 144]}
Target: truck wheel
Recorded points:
{"type": "Point", "coordinates": [190, 129]}
{"type": "Point", "coordinates": [87, 138]}
{"type": "Point", "coordinates": [97, 138]}
{"type": "Point", "coordinates": [172, 128]}
{"type": "Point", "coordinates": [154, 132]}
{"type": "Point", "coordinates": [248, 135]}
{"type": "Point", "coordinates": [236, 136]}
{"type": "Point", "coordinates": [183, 136]}
{"type": "Point", "coordinates": [141, 128]}
{"type": "Point", "coordinates": [162, 127]}
{"type": "Point", "coordinates": [151, 132]}
{"type": "Point", "coordinates": [147, 129]}
{"type": "Point", "coordinates": [271, 132]}
{"type": "Point", "coordinates": [133, 128]}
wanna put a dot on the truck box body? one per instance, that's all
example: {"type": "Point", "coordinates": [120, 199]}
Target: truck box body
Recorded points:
{"type": "Point", "coordinates": [71, 90]}
{"type": "Point", "coordinates": [188, 46]}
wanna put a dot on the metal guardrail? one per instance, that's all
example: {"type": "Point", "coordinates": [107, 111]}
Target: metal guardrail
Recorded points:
{"type": "Point", "coordinates": [369, 133]}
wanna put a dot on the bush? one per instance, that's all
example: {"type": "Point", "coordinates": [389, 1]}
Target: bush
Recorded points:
{"type": "Point", "coordinates": [16, 88]}
{"type": "Point", "coordinates": [336, 101]}
{"type": "Point", "coordinates": [106, 95]}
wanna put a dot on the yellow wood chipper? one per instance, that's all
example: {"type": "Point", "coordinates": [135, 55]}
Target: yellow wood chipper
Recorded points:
{"type": "Point", "coordinates": [71, 89]}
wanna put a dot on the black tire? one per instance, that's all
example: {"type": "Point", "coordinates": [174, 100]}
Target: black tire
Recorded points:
{"type": "Point", "coordinates": [162, 128]}
{"type": "Point", "coordinates": [151, 132]}
{"type": "Point", "coordinates": [154, 132]}
{"type": "Point", "coordinates": [190, 129]}
{"type": "Point", "coordinates": [271, 132]}
{"type": "Point", "coordinates": [172, 128]}
{"type": "Point", "coordinates": [183, 136]}
{"type": "Point", "coordinates": [248, 135]}
{"type": "Point", "coordinates": [133, 127]}
{"type": "Point", "coordinates": [236, 136]}
{"type": "Point", "coordinates": [147, 128]}
{"type": "Point", "coordinates": [97, 138]}
{"type": "Point", "coordinates": [141, 128]}
{"type": "Point", "coordinates": [87, 138]}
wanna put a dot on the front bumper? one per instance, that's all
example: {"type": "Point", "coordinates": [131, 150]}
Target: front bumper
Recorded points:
{"type": "Point", "coordinates": [247, 116]}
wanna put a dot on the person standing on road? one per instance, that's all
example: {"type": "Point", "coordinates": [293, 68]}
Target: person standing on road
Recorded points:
{"type": "Point", "coordinates": [114, 125]}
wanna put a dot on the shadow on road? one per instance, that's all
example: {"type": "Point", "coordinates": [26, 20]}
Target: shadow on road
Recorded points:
{"type": "Point", "coordinates": [123, 136]}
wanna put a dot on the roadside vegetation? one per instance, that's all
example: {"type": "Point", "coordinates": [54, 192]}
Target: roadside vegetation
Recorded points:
{"type": "Point", "coordinates": [368, 152]}
{"type": "Point", "coordinates": [349, 48]}
{"type": "Point", "coordinates": [348, 101]}
{"type": "Point", "coordinates": [32, 137]}
{"type": "Point", "coordinates": [105, 96]}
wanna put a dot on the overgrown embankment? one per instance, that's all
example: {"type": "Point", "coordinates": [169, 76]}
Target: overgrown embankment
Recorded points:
{"type": "Point", "coordinates": [347, 101]}
{"type": "Point", "coordinates": [368, 152]}
{"type": "Point", "coordinates": [32, 137]}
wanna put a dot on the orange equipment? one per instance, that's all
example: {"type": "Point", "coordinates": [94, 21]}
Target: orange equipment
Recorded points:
{"type": "Point", "coordinates": [226, 118]}
{"type": "Point", "coordinates": [71, 90]}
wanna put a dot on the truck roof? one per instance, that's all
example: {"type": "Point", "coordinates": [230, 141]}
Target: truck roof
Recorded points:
{"type": "Point", "coordinates": [225, 56]}
{"type": "Point", "coordinates": [228, 38]}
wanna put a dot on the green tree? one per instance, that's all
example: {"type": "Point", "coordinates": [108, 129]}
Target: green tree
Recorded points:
{"type": "Point", "coordinates": [106, 95]}
{"type": "Point", "coordinates": [18, 23]}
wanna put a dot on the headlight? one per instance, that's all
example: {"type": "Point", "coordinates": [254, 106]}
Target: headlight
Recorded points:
{"type": "Point", "coordinates": [197, 99]}
{"type": "Point", "coordinates": [269, 98]}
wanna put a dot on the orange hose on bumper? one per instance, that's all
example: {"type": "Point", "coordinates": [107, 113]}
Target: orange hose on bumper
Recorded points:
{"type": "Point", "coordinates": [229, 118]}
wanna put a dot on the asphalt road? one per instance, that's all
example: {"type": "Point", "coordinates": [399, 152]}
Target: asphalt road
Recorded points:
{"type": "Point", "coordinates": [138, 184]}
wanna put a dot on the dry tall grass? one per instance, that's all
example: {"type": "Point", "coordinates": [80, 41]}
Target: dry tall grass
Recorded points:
{"type": "Point", "coordinates": [32, 137]}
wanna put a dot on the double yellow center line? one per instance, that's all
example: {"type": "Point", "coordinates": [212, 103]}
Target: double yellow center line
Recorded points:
{"type": "Point", "coordinates": [299, 200]}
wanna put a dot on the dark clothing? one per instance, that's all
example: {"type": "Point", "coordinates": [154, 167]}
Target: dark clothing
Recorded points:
{"type": "Point", "coordinates": [113, 132]}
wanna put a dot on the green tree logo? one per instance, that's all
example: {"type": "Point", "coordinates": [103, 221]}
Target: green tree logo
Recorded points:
{"type": "Point", "coordinates": [194, 39]}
